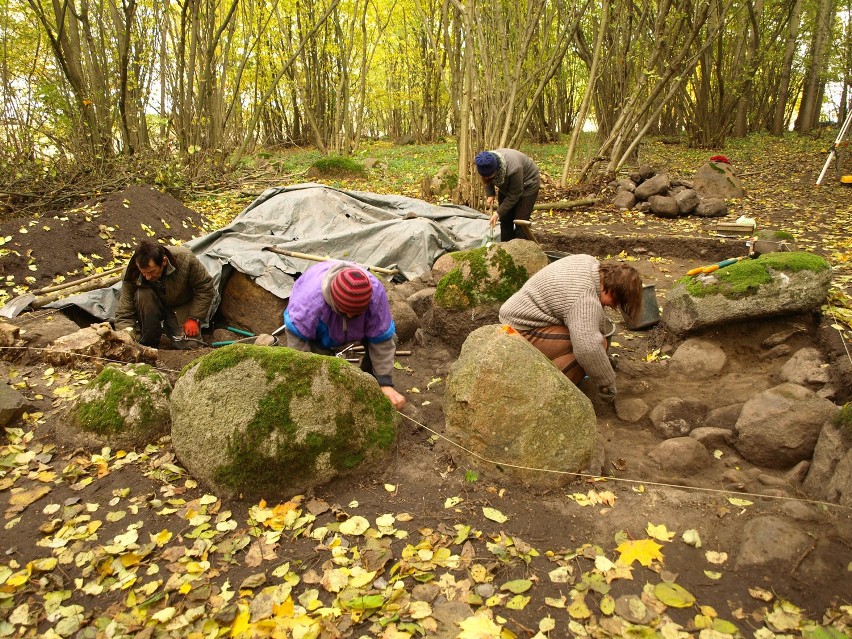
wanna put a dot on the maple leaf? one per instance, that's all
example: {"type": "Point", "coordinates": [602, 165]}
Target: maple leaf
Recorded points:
{"type": "Point", "coordinates": [660, 532]}
{"type": "Point", "coordinates": [479, 626]}
{"type": "Point", "coordinates": [645, 551]}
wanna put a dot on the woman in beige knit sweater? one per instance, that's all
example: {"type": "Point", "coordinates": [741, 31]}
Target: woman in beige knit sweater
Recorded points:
{"type": "Point", "coordinates": [560, 311]}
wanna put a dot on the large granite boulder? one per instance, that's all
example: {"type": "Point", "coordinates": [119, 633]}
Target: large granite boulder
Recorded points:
{"type": "Point", "coordinates": [779, 427]}
{"type": "Point", "coordinates": [452, 326]}
{"type": "Point", "coordinates": [254, 420]}
{"type": "Point", "coordinates": [488, 274]}
{"type": "Point", "coordinates": [406, 320]}
{"type": "Point", "coordinates": [123, 407]}
{"type": "Point", "coordinates": [772, 285]}
{"type": "Point", "coordinates": [830, 474]}
{"type": "Point", "coordinates": [247, 305]}
{"type": "Point", "coordinates": [717, 180]}
{"type": "Point", "coordinates": [491, 408]}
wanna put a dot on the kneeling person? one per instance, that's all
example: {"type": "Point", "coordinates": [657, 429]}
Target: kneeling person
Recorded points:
{"type": "Point", "coordinates": [164, 290]}
{"type": "Point", "coordinates": [334, 304]}
{"type": "Point", "coordinates": [559, 310]}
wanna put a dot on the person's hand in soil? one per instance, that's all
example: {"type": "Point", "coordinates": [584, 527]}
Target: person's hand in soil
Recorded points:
{"type": "Point", "coordinates": [395, 398]}
{"type": "Point", "coordinates": [607, 393]}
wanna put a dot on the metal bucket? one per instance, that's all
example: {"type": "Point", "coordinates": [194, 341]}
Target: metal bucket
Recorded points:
{"type": "Point", "coordinates": [608, 331]}
{"type": "Point", "coordinates": [650, 315]}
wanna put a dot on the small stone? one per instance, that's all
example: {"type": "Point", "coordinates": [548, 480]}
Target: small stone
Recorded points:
{"type": "Point", "coordinates": [778, 338]}
{"type": "Point", "coordinates": [797, 474]}
{"type": "Point", "coordinates": [771, 480]}
{"type": "Point", "coordinates": [781, 350]}
{"type": "Point", "coordinates": [484, 590]}
{"type": "Point", "coordinates": [800, 511]}
{"type": "Point", "coordinates": [630, 409]}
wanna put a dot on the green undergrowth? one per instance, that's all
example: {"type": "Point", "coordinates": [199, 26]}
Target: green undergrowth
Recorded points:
{"type": "Point", "coordinates": [339, 166]}
{"type": "Point", "coordinates": [253, 464]}
{"type": "Point", "coordinates": [843, 420]}
{"type": "Point", "coordinates": [469, 283]}
{"type": "Point", "coordinates": [745, 278]}
{"type": "Point", "coordinates": [103, 416]}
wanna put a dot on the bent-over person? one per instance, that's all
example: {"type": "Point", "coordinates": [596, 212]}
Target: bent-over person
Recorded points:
{"type": "Point", "coordinates": [514, 178]}
{"type": "Point", "coordinates": [164, 291]}
{"type": "Point", "coordinates": [560, 311]}
{"type": "Point", "coordinates": [337, 304]}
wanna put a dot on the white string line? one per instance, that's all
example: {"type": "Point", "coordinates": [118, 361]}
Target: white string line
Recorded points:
{"type": "Point", "coordinates": [508, 464]}
{"type": "Point", "coordinates": [84, 356]}
{"type": "Point", "coordinates": [620, 479]}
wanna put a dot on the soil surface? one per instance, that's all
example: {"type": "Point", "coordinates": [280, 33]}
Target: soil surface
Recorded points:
{"type": "Point", "coordinates": [167, 560]}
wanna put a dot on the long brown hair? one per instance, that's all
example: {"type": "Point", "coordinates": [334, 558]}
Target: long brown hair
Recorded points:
{"type": "Point", "coordinates": [625, 285]}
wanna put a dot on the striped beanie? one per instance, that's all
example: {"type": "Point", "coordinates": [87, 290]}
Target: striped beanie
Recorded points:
{"type": "Point", "coordinates": [351, 291]}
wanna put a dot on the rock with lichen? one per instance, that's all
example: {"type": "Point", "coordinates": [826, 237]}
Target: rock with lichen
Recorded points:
{"type": "Point", "coordinates": [123, 407]}
{"type": "Point", "coordinates": [489, 274]}
{"type": "Point", "coordinates": [552, 428]}
{"type": "Point", "coordinates": [255, 421]}
{"type": "Point", "coordinates": [774, 284]}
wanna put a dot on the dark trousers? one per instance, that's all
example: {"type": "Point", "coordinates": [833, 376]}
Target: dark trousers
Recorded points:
{"type": "Point", "coordinates": [154, 317]}
{"type": "Point", "coordinates": [521, 211]}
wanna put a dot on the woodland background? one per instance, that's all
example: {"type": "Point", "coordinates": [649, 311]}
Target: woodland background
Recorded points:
{"type": "Point", "coordinates": [97, 93]}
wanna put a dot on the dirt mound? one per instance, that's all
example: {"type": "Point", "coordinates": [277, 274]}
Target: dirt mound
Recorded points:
{"type": "Point", "coordinates": [100, 233]}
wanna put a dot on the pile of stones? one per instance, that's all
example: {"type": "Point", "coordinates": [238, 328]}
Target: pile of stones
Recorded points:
{"type": "Point", "coordinates": [646, 191]}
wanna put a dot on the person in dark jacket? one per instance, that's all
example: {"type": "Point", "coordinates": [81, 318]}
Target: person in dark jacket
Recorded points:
{"type": "Point", "coordinates": [164, 290]}
{"type": "Point", "coordinates": [335, 304]}
{"type": "Point", "coordinates": [514, 178]}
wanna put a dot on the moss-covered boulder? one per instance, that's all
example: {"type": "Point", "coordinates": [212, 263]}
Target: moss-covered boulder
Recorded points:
{"type": "Point", "coordinates": [489, 274]}
{"type": "Point", "coordinates": [771, 285]}
{"type": "Point", "coordinates": [507, 402]}
{"type": "Point", "coordinates": [124, 407]}
{"type": "Point", "coordinates": [260, 421]}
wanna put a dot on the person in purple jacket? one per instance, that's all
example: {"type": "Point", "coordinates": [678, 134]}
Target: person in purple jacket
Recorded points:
{"type": "Point", "coordinates": [335, 304]}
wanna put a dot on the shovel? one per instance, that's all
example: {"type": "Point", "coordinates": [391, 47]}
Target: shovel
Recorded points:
{"type": "Point", "coordinates": [15, 306]}
{"type": "Point", "coordinates": [488, 240]}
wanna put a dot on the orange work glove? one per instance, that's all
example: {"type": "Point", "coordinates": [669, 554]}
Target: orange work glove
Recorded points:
{"type": "Point", "coordinates": [190, 328]}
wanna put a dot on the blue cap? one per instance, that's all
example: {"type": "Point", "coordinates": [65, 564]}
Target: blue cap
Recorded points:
{"type": "Point", "coordinates": [487, 163]}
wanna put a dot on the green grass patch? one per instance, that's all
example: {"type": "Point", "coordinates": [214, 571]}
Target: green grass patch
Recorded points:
{"type": "Point", "coordinates": [843, 420]}
{"type": "Point", "coordinates": [339, 166]}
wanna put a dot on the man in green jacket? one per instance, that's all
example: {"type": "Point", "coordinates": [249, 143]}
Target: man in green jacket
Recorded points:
{"type": "Point", "coordinates": [164, 290]}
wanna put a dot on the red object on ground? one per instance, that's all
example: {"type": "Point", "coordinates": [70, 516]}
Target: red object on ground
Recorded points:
{"type": "Point", "coordinates": [720, 158]}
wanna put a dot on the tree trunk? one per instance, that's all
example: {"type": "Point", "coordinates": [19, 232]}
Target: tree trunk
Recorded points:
{"type": "Point", "coordinates": [815, 75]}
{"type": "Point", "coordinates": [779, 119]}
{"type": "Point", "coordinates": [587, 96]}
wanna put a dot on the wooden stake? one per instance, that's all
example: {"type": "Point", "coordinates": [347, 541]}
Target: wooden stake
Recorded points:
{"type": "Point", "coordinates": [320, 258]}
{"type": "Point", "coordinates": [44, 300]}
{"type": "Point", "coordinates": [565, 204]}
{"type": "Point", "coordinates": [89, 278]}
